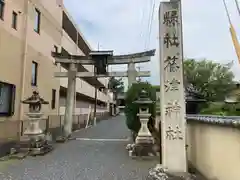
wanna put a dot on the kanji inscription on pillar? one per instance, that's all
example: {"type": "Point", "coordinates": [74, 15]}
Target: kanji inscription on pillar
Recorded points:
{"type": "Point", "coordinates": [171, 40]}
{"type": "Point", "coordinates": [172, 108]}
{"type": "Point", "coordinates": [172, 90]}
{"type": "Point", "coordinates": [171, 63]}
{"type": "Point", "coordinates": [174, 133]}
{"type": "Point", "coordinates": [171, 18]}
{"type": "Point", "coordinates": [172, 85]}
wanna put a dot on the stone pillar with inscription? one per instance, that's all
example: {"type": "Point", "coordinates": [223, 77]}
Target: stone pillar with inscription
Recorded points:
{"type": "Point", "coordinates": [173, 122]}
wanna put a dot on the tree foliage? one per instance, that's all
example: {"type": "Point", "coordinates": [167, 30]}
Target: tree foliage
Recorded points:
{"type": "Point", "coordinates": [211, 79]}
{"type": "Point", "coordinates": [131, 109]}
{"type": "Point", "coordinates": [116, 85]}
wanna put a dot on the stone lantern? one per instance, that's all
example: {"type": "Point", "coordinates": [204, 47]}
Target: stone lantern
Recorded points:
{"type": "Point", "coordinates": [144, 136]}
{"type": "Point", "coordinates": [36, 141]}
{"type": "Point", "coordinates": [232, 99]}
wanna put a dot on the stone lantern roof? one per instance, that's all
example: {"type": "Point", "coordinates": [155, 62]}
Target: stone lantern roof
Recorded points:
{"type": "Point", "coordinates": [192, 94]}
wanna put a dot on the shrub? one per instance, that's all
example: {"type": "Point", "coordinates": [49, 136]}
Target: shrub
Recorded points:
{"type": "Point", "coordinates": [213, 108]}
{"type": "Point", "coordinates": [131, 109]}
{"type": "Point", "coordinates": [222, 109]}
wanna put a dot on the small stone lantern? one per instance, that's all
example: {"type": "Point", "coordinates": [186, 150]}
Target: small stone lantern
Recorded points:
{"type": "Point", "coordinates": [144, 136]}
{"type": "Point", "coordinates": [37, 142]}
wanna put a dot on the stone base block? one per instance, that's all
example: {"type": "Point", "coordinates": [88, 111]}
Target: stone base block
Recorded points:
{"type": "Point", "coordinates": [161, 173]}
{"type": "Point", "coordinates": [144, 140]}
{"type": "Point", "coordinates": [32, 146]}
{"type": "Point", "coordinates": [141, 150]}
{"type": "Point", "coordinates": [63, 139]}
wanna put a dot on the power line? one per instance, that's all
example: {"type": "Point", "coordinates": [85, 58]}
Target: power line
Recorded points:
{"type": "Point", "coordinates": [151, 15]}
{"type": "Point", "coordinates": [150, 31]}
{"type": "Point", "coordinates": [142, 23]}
{"type": "Point", "coordinates": [233, 33]}
{"type": "Point", "coordinates": [148, 24]}
{"type": "Point", "coordinates": [237, 5]}
{"type": "Point", "coordinates": [228, 16]}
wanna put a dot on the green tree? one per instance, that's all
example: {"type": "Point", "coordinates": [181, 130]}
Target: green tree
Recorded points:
{"type": "Point", "coordinates": [116, 85]}
{"type": "Point", "coordinates": [131, 109]}
{"type": "Point", "coordinates": [211, 79]}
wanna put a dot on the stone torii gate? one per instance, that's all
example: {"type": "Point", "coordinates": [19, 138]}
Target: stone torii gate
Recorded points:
{"type": "Point", "coordinates": [99, 59]}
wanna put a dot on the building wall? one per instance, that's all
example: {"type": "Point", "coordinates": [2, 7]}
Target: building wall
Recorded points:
{"type": "Point", "coordinates": [81, 85]}
{"type": "Point", "coordinates": [40, 52]}
{"type": "Point", "coordinates": [10, 58]}
{"type": "Point", "coordinates": [39, 46]}
{"type": "Point", "coordinates": [19, 48]}
{"type": "Point", "coordinates": [214, 150]}
{"type": "Point", "coordinates": [82, 107]}
{"type": "Point", "coordinates": [104, 81]}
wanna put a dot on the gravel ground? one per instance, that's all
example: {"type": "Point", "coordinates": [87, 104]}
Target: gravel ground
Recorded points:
{"type": "Point", "coordinates": [84, 159]}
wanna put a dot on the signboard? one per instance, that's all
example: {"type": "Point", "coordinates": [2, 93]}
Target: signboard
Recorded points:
{"type": "Point", "coordinates": [172, 88]}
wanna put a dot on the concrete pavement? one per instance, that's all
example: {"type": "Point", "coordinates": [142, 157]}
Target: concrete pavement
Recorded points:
{"type": "Point", "coordinates": [98, 153]}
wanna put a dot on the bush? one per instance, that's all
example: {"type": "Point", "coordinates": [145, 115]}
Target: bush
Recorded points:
{"type": "Point", "coordinates": [131, 109]}
{"type": "Point", "coordinates": [212, 108]}
{"type": "Point", "coordinates": [222, 109]}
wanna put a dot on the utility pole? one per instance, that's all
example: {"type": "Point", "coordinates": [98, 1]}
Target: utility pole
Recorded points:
{"type": "Point", "coordinates": [95, 104]}
{"type": "Point", "coordinates": [139, 78]}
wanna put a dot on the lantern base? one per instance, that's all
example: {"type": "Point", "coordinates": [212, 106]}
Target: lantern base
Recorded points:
{"type": "Point", "coordinates": [144, 140]}
{"type": "Point", "coordinates": [161, 173]}
{"type": "Point", "coordinates": [33, 146]}
{"type": "Point", "coordinates": [142, 150]}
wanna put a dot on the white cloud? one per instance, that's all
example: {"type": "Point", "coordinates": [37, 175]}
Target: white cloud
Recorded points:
{"type": "Point", "coordinates": [118, 25]}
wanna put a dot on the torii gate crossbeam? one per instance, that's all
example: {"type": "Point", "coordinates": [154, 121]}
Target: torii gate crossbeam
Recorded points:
{"type": "Point", "coordinates": [120, 59]}
{"type": "Point", "coordinates": [110, 74]}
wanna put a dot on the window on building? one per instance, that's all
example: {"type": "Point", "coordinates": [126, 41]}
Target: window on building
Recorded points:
{"type": "Point", "coordinates": [34, 73]}
{"type": "Point", "coordinates": [2, 6]}
{"type": "Point", "coordinates": [14, 20]}
{"type": "Point", "coordinates": [53, 99]}
{"type": "Point", "coordinates": [7, 99]}
{"type": "Point", "coordinates": [37, 21]}
{"type": "Point", "coordinates": [55, 50]}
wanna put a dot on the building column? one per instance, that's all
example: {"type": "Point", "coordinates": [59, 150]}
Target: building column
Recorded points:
{"type": "Point", "coordinates": [132, 74]}
{"type": "Point", "coordinates": [68, 117]}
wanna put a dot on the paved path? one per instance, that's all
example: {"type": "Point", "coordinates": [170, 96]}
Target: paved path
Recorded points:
{"type": "Point", "coordinates": [91, 157]}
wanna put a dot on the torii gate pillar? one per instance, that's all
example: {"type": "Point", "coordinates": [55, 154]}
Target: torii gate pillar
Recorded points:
{"type": "Point", "coordinates": [68, 116]}
{"type": "Point", "coordinates": [132, 74]}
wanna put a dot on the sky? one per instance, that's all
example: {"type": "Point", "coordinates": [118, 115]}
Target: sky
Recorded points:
{"type": "Point", "coordinates": [123, 26]}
